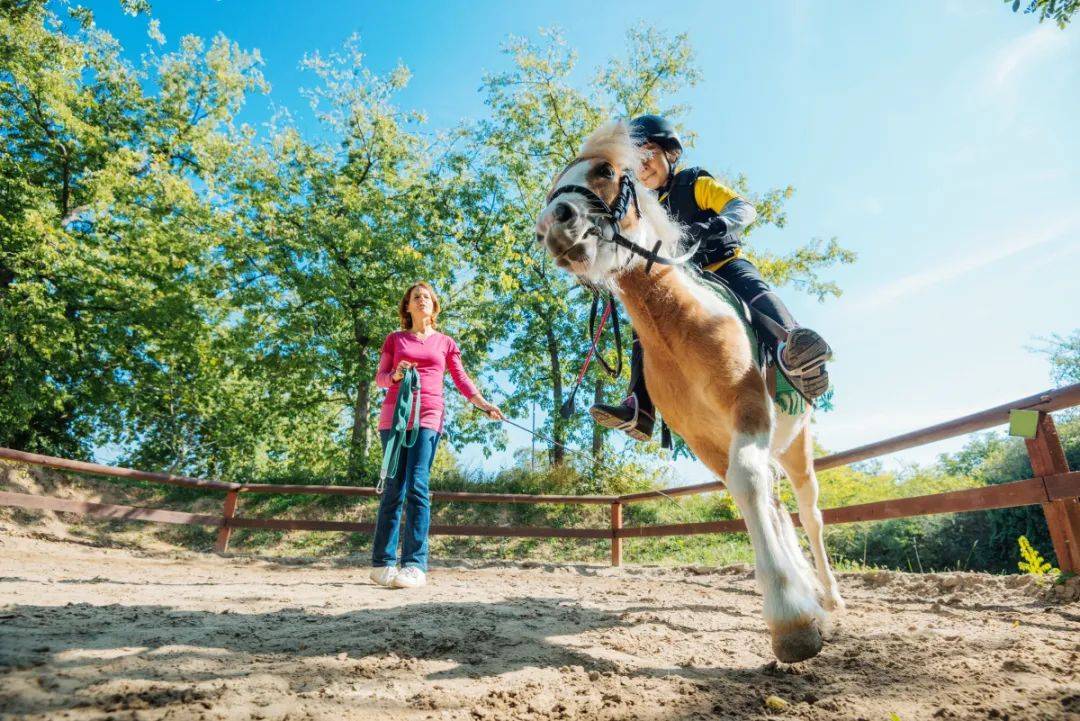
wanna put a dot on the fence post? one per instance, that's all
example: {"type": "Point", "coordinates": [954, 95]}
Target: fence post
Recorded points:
{"type": "Point", "coordinates": [225, 531]}
{"type": "Point", "coordinates": [1062, 516]}
{"type": "Point", "coordinates": [616, 539]}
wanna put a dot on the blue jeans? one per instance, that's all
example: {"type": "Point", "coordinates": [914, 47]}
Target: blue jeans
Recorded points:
{"type": "Point", "coordinates": [408, 487]}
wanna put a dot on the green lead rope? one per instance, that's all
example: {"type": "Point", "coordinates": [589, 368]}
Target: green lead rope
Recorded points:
{"type": "Point", "coordinates": [400, 435]}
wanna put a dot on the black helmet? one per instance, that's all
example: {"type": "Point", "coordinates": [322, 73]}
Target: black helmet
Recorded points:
{"type": "Point", "coordinates": [653, 128]}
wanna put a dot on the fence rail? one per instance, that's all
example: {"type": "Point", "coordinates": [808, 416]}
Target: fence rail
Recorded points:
{"type": "Point", "coordinates": [1054, 487]}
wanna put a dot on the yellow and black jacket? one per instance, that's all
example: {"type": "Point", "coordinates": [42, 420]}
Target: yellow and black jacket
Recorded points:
{"type": "Point", "coordinates": [712, 213]}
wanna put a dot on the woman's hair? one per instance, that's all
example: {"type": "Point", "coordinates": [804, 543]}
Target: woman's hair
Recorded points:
{"type": "Point", "coordinates": [403, 306]}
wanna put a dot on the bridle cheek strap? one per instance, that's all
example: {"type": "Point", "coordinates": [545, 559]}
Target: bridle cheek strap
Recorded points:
{"type": "Point", "coordinates": [613, 214]}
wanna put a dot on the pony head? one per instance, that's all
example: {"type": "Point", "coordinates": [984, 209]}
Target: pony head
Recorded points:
{"type": "Point", "coordinates": [595, 195]}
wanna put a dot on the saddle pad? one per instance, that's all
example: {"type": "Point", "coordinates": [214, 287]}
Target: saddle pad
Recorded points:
{"type": "Point", "coordinates": [788, 400]}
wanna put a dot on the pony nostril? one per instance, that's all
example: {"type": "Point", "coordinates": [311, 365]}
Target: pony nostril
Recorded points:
{"type": "Point", "coordinates": [577, 253]}
{"type": "Point", "coordinates": [564, 212]}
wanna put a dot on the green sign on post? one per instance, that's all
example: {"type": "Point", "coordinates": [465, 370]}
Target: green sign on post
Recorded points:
{"type": "Point", "coordinates": [1024, 424]}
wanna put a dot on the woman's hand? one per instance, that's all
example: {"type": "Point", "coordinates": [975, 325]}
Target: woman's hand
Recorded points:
{"type": "Point", "coordinates": [491, 409]}
{"type": "Point", "coordinates": [399, 372]}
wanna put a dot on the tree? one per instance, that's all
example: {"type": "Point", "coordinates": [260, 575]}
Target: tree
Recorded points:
{"type": "Point", "coordinates": [340, 227]}
{"type": "Point", "coordinates": [1064, 355]}
{"type": "Point", "coordinates": [1060, 11]}
{"type": "Point", "coordinates": [108, 273]}
{"type": "Point", "coordinates": [213, 300]}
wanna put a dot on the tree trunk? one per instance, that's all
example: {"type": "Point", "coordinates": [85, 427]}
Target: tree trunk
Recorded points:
{"type": "Point", "coordinates": [65, 190]}
{"type": "Point", "coordinates": [358, 445]}
{"type": "Point", "coordinates": [558, 453]}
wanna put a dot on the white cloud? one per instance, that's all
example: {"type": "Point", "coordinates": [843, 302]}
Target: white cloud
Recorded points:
{"type": "Point", "coordinates": [1054, 258]}
{"type": "Point", "coordinates": [966, 262]}
{"type": "Point", "coordinates": [1021, 55]}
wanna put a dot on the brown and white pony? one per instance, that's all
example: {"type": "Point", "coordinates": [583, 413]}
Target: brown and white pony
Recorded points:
{"type": "Point", "coordinates": [701, 374]}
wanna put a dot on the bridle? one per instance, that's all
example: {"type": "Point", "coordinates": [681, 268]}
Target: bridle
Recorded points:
{"type": "Point", "coordinates": [605, 219]}
{"type": "Point", "coordinates": [604, 223]}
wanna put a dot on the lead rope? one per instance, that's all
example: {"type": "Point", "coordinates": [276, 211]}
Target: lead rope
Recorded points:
{"type": "Point", "coordinates": [589, 458]}
{"type": "Point", "coordinates": [400, 435]}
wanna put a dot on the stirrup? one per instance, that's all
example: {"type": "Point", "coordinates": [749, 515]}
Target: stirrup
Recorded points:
{"type": "Point", "coordinates": [810, 364]}
{"type": "Point", "coordinates": [801, 379]}
{"type": "Point", "coordinates": [631, 423]}
{"type": "Point", "coordinates": [802, 371]}
{"type": "Point", "coordinates": [629, 426]}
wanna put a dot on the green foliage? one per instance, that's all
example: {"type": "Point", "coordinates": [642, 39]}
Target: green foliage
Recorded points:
{"type": "Point", "coordinates": [1064, 355]}
{"type": "Point", "coordinates": [111, 284]}
{"type": "Point", "coordinates": [1031, 562]}
{"type": "Point", "coordinates": [210, 303]}
{"type": "Point", "coordinates": [982, 541]}
{"type": "Point", "coordinates": [211, 300]}
{"type": "Point", "coordinates": [1059, 11]}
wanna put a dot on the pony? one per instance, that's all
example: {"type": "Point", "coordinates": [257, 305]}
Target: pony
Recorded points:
{"type": "Point", "coordinates": [603, 226]}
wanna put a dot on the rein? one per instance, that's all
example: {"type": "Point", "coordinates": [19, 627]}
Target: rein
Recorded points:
{"type": "Point", "coordinates": [567, 409]}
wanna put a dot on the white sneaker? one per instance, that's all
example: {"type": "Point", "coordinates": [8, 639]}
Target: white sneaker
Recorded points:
{"type": "Point", "coordinates": [384, 575]}
{"type": "Point", "coordinates": [410, 577]}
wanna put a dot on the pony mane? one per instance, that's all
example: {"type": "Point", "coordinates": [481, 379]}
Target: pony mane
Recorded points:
{"type": "Point", "coordinates": [612, 140]}
{"type": "Point", "coordinates": [668, 232]}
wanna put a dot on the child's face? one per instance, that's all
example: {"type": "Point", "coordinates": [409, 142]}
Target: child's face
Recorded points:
{"type": "Point", "coordinates": [655, 170]}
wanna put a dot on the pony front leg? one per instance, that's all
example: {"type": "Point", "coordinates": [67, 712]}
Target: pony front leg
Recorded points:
{"type": "Point", "coordinates": [791, 610]}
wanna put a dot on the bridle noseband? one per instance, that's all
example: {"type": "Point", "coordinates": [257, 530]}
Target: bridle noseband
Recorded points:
{"type": "Point", "coordinates": [605, 219]}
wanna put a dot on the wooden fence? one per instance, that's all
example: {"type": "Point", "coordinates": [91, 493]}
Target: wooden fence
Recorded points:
{"type": "Point", "coordinates": [1053, 486]}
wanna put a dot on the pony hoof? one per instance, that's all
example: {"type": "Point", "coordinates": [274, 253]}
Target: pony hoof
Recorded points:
{"type": "Point", "coordinates": [798, 645]}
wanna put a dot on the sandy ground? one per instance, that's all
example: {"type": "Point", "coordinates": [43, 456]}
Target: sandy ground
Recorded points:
{"type": "Point", "coordinates": [103, 633]}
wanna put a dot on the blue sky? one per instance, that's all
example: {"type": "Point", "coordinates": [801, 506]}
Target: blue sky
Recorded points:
{"type": "Point", "coordinates": [931, 137]}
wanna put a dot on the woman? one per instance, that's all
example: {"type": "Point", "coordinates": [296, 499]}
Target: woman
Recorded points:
{"type": "Point", "coordinates": [418, 345]}
{"type": "Point", "coordinates": [714, 216]}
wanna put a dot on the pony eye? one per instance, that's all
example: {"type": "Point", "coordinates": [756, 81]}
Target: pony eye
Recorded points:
{"type": "Point", "coordinates": [606, 171]}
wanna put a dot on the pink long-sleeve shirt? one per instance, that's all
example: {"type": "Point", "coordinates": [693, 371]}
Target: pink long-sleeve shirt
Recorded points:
{"type": "Point", "coordinates": [433, 356]}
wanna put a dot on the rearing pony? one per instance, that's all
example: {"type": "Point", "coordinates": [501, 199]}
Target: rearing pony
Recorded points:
{"type": "Point", "coordinates": [604, 227]}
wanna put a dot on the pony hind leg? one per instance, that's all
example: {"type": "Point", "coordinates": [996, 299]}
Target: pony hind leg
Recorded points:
{"type": "Point", "coordinates": [789, 539]}
{"type": "Point", "coordinates": [791, 609]}
{"type": "Point", "coordinates": [797, 461]}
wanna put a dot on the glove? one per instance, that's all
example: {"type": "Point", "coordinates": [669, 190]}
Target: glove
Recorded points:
{"type": "Point", "coordinates": [716, 242]}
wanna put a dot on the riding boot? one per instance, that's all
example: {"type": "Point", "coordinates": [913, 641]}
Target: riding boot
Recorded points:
{"type": "Point", "coordinates": [635, 414]}
{"type": "Point", "coordinates": [801, 352]}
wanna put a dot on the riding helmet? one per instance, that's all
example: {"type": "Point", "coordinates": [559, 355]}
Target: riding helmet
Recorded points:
{"type": "Point", "coordinates": [655, 129]}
